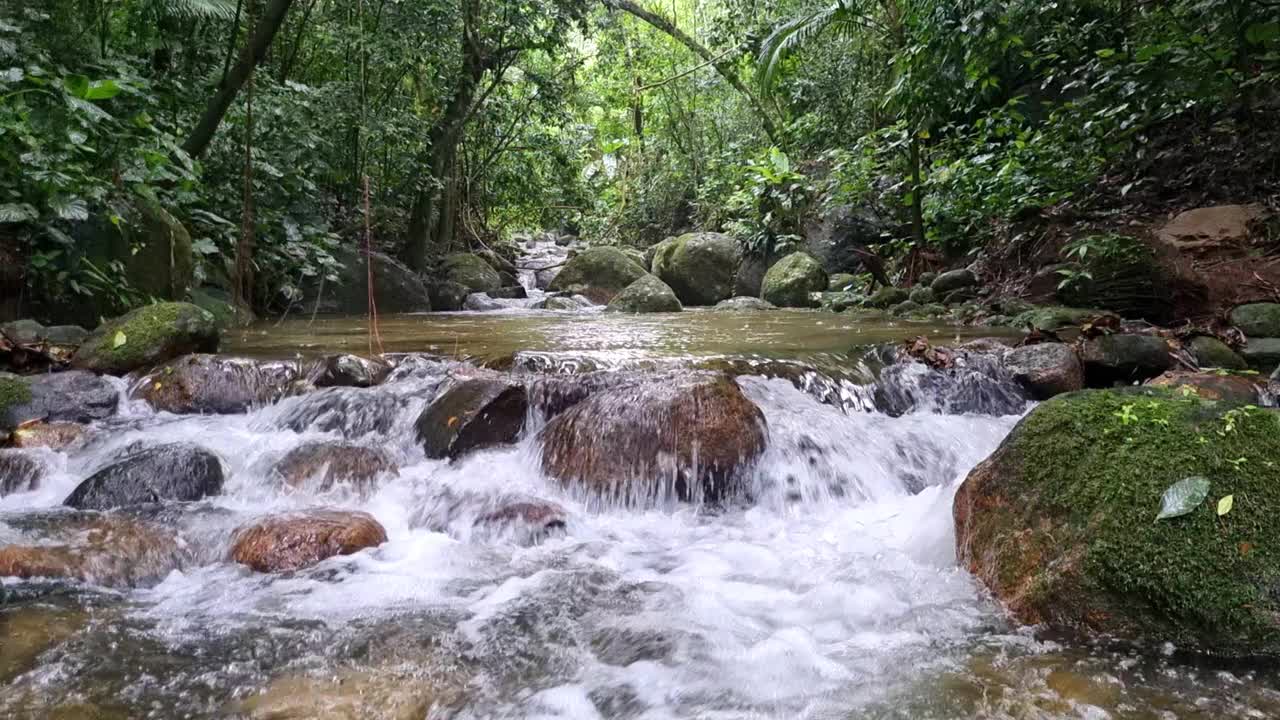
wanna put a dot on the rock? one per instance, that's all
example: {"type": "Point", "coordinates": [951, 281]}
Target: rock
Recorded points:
{"type": "Point", "coordinates": [933, 310]}
{"type": "Point", "coordinates": [1206, 227]}
{"type": "Point", "coordinates": [791, 279]}
{"type": "Point", "coordinates": [922, 295]}
{"type": "Point", "coordinates": [1124, 358]}
{"type": "Point", "coordinates": [513, 292]}
{"type": "Point", "coordinates": [19, 472]}
{"type": "Point", "coordinates": [214, 385]}
{"type": "Point", "coordinates": [218, 302]}
{"type": "Point", "coordinates": [109, 550]}
{"type": "Point", "coordinates": [148, 336]}
{"type": "Point", "coordinates": [349, 371]}
{"type": "Point", "coordinates": [1262, 353]}
{"type": "Point", "coordinates": [149, 243]}
{"type": "Point", "coordinates": [28, 630]}
{"type": "Point", "coordinates": [750, 276]}
{"type": "Point", "coordinates": [905, 308]}
{"type": "Point", "coordinates": [1053, 318]}
{"type": "Point", "coordinates": [699, 267]}
{"type": "Point", "coordinates": [926, 278]}
{"type": "Point", "coordinates": [350, 412]}
{"type": "Point", "coordinates": [689, 438]}
{"type": "Point", "coordinates": [1046, 370]}
{"type": "Point", "coordinates": [1210, 352]}
{"type": "Point", "coordinates": [953, 280]}
{"type": "Point", "coordinates": [404, 693]}
{"type": "Point", "coordinates": [1235, 389]}
{"type": "Point", "coordinates": [1258, 319]}
{"type": "Point", "coordinates": [745, 304]}
{"type": "Point", "coordinates": [563, 304]}
{"type": "Point", "coordinates": [178, 472]}
{"type": "Point", "coordinates": [839, 301]}
{"type": "Point", "coordinates": [565, 240]}
{"type": "Point", "coordinates": [319, 466]}
{"type": "Point", "coordinates": [598, 273]}
{"type": "Point", "coordinates": [1060, 523]}
{"type": "Point", "coordinates": [958, 296]}
{"type": "Point", "coordinates": [646, 295]}
{"type": "Point", "coordinates": [524, 521]}
{"type": "Point", "coordinates": [472, 415]}
{"type": "Point", "coordinates": [24, 332]}
{"type": "Point", "coordinates": [72, 396]}
{"type": "Point", "coordinates": [888, 296]}
{"type": "Point", "coordinates": [396, 287]}
{"type": "Point", "coordinates": [30, 332]}
{"type": "Point", "coordinates": [292, 542]}
{"type": "Point", "coordinates": [841, 282]}
{"type": "Point", "coordinates": [480, 302]}
{"type": "Point", "coordinates": [496, 261]}
{"type": "Point", "coordinates": [448, 296]}
{"type": "Point", "coordinates": [53, 436]}
{"type": "Point", "coordinates": [638, 257]}
{"type": "Point", "coordinates": [470, 271]}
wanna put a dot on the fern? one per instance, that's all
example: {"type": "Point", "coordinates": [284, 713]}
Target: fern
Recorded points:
{"type": "Point", "coordinates": [198, 9]}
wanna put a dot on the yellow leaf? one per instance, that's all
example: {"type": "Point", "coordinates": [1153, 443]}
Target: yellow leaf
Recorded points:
{"type": "Point", "coordinates": [453, 421]}
{"type": "Point", "coordinates": [1225, 505]}
{"type": "Point", "coordinates": [120, 339]}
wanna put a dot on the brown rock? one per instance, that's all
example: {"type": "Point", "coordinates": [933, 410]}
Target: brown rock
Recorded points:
{"type": "Point", "coordinates": [292, 542]}
{"type": "Point", "coordinates": [1206, 227]}
{"type": "Point", "coordinates": [686, 438]}
{"type": "Point", "coordinates": [1211, 386]}
{"type": "Point", "coordinates": [110, 550]}
{"type": "Point", "coordinates": [473, 415]}
{"type": "Point", "coordinates": [322, 465]}
{"type": "Point", "coordinates": [51, 435]}
{"type": "Point", "coordinates": [1046, 370]}
{"type": "Point", "coordinates": [19, 472]}
{"type": "Point", "coordinates": [349, 371]}
{"type": "Point", "coordinates": [211, 384]}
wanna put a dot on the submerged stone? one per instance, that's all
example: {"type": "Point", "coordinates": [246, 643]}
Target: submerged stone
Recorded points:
{"type": "Point", "coordinates": [299, 540]}
{"type": "Point", "coordinates": [19, 472]}
{"type": "Point", "coordinates": [110, 550]}
{"type": "Point", "coordinates": [320, 466]}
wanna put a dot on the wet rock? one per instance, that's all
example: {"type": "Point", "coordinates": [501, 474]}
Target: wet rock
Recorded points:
{"type": "Point", "coordinates": [1046, 370]}
{"type": "Point", "coordinates": [470, 271]}
{"type": "Point", "coordinates": [1124, 358]}
{"type": "Point", "coordinates": [472, 415]}
{"type": "Point", "coordinates": [220, 303]}
{"type": "Point", "coordinates": [1262, 353]}
{"type": "Point", "coordinates": [745, 303]}
{"type": "Point", "coordinates": [906, 308]}
{"type": "Point", "coordinates": [975, 383]}
{"type": "Point", "coordinates": [1260, 320]}
{"type": "Point", "coordinates": [496, 261]}
{"type": "Point", "coordinates": [1052, 318]}
{"type": "Point", "coordinates": [215, 385]}
{"type": "Point", "coordinates": [841, 282]}
{"type": "Point", "coordinates": [177, 472]}
{"type": "Point", "coordinates": [19, 472]}
{"type": "Point", "coordinates": [349, 371]}
{"type": "Point", "coordinates": [646, 295]}
{"type": "Point", "coordinates": [563, 304]}
{"type": "Point", "coordinates": [321, 466]}
{"type": "Point", "coordinates": [1060, 523]}
{"type": "Point", "coordinates": [791, 279]}
{"type": "Point", "coordinates": [519, 519]}
{"type": "Point", "coordinates": [922, 295]}
{"type": "Point", "coordinates": [953, 280]}
{"type": "Point", "coordinates": [72, 396]}
{"type": "Point", "coordinates": [349, 695]}
{"type": "Point", "coordinates": [396, 287]}
{"type": "Point", "coordinates": [480, 302]}
{"type": "Point", "coordinates": [957, 296]}
{"type": "Point", "coordinates": [299, 540]}
{"type": "Point", "coordinates": [838, 301]}
{"type": "Point", "coordinates": [27, 632]}
{"type": "Point", "coordinates": [699, 267]}
{"type": "Point", "coordinates": [148, 336]}
{"type": "Point", "coordinates": [688, 438]}
{"type": "Point", "coordinates": [888, 296]}
{"type": "Point", "coordinates": [1211, 352]}
{"type": "Point", "coordinates": [448, 296]}
{"type": "Point", "coordinates": [351, 412]}
{"type": "Point", "coordinates": [53, 436]}
{"type": "Point", "coordinates": [110, 550]}
{"type": "Point", "coordinates": [598, 273]}
{"type": "Point", "coordinates": [1236, 389]}
{"type": "Point", "coordinates": [511, 292]}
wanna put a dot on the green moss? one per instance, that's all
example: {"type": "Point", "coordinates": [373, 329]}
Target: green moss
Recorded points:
{"type": "Point", "coordinates": [13, 391]}
{"type": "Point", "coordinates": [151, 335]}
{"type": "Point", "coordinates": [1096, 464]}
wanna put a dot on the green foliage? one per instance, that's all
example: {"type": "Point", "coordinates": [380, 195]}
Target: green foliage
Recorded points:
{"type": "Point", "coordinates": [767, 207]}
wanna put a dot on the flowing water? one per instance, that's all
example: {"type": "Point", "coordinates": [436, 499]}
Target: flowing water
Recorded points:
{"type": "Point", "coordinates": [834, 594]}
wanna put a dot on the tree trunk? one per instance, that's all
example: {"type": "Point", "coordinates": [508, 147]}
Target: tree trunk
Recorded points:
{"type": "Point", "coordinates": [252, 54]}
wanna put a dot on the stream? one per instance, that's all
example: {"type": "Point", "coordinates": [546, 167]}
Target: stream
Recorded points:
{"type": "Point", "coordinates": [833, 594]}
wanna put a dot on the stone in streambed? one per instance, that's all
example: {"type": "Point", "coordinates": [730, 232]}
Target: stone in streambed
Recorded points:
{"type": "Point", "coordinates": [473, 415]}
{"type": "Point", "coordinates": [350, 412]}
{"type": "Point", "coordinates": [646, 295]}
{"type": "Point", "coordinates": [110, 550]}
{"type": "Point", "coordinates": [1124, 358]}
{"type": "Point", "coordinates": [1235, 389]}
{"type": "Point", "coordinates": [470, 271]}
{"type": "Point", "coordinates": [1211, 352]}
{"type": "Point", "coordinates": [448, 296]}
{"type": "Point", "coordinates": [949, 282]}
{"type": "Point", "coordinates": [691, 438]}
{"type": "Point", "coordinates": [323, 465]}
{"type": "Point", "coordinates": [790, 281]}
{"type": "Point", "coordinates": [19, 472]}
{"type": "Point", "coordinates": [1046, 370]}
{"type": "Point", "coordinates": [27, 631]}
{"type": "Point", "coordinates": [299, 540]}
{"type": "Point", "coordinates": [72, 396]}
{"type": "Point", "coordinates": [887, 297]}
{"type": "Point", "coordinates": [1060, 523]}
{"type": "Point", "coordinates": [52, 436]}
{"type": "Point", "coordinates": [745, 303]}
{"type": "Point", "coordinates": [349, 371]}
{"type": "Point", "coordinates": [841, 282]}
{"type": "Point", "coordinates": [699, 267]}
{"type": "Point", "coordinates": [148, 336]}
{"type": "Point", "coordinates": [178, 472]}
{"type": "Point", "coordinates": [598, 273]}
{"type": "Point", "coordinates": [1262, 353]}
{"type": "Point", "coordinates": [211, 384]}
{"type": "Point", "coordinates": [1258, 320]}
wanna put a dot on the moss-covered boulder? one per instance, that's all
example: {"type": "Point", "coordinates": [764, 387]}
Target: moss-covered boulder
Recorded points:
{"type": "Point", "coordinates": [598, 273]}
{"type": "Point", "coordinates": [14, 394]}
{"type": "Point", "coordinates": [153, 247]}
{"type": "Point", "coordinates": [1258, 319]}
{"type": "Point", "coordinates": [471, 271]}
{"type": "Point", "coordinates": [1060, 523]}
{"type": "Point", "coordinates": [637, 256]}
{"type": "Point", "coordinates": [887, 297]}
{"type": "Point", "coordinates": [1053, 317]}
{"type": "Point", "coordinates": [218, 302]}
{"type": "Point", "coordinates": [148, 336]}
{"type": "Point", "coordinates": [646, 295]}
{"type": "Point", "coordinates": [1210, 352]}
{"type": "Point", "coordinates": [791, 279]}
{"type": "Point", "coordinates": [840, 282]}
{"type": "Point", "coordinates": [699, 267]}
{"type": "Point", "coordinates": [906, 308]}
{"type": "Point", "coordinates": [949, 282]}
{"type": "Point", "coordinates": [448, 296]}
{"type": "Point", "coordinates": [70, 396]}
{"type": "Point", "coordinates": [922, 294]}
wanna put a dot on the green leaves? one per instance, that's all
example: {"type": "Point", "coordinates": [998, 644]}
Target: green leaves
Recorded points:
{"type": "Point", "coordinates": [80, 87]}
{"type": "Point", "coordinates": [1183, 496]}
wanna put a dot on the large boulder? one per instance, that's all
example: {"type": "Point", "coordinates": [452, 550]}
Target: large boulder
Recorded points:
{"type": "Point", "coordinates": [699, 267]}
{"type": "Point", "coordinates": [349, 371]}
{"type": "Point", "coordinates": [292, 542]}
{"type": "Point", "coordinates": [1258, 319]}
{"type": "Point", "coordinates": [887, 297]}
{"type": "Point", "coordinates": [949, 282]}
{"type": "Point", "coordinates": [598, 273]}
{"type": "Point", "coordinates": [148, 336]}
{"type": "Point", "coordinates": [791, 279]}
{"type": "Point", "coordinates": [396, 287]}
{"type": "Point", "coordinates": [1061, 522]}
{"type": "Point", "coordinates": [1210, 352]}
{"type": "Point", "coordinates": [750, 276]}
{"type": "Point", "coordinates": [690, 438]}
{"type": "Point", "coordinates": [19, 472]}
{"type": "Point", "coordinates": [1124, 358]}
{"type": "Point", "coordinates": [73, 396]}
{"type": "Point", "coordinates": [321, 466]}
{"type": "Point", "coordinates": [110, 550]}
{"type": "Point", "coordinates": [51, 435]}
{"type": "Point", "coordinates": [448, 296]}
{"type": "Point", "coordinates": [470, 271]}
{"type": "Point", "coordinates": [222, 305]}
{"type": "Point", "coordinates": [472, 415]}
{"type": "Point", "coordinates": [1210, 227]}
{"type": "Point", "coordinates": [214, 385]}
{"type": "Point", "coordinates": [646, 295]}
{"type": "Point", "coordinates": [154, 249]}
{"type": "Point", "coordinates": [1046, 370]}
{"type": "Point", "coordinates": [1262, 353]}
{"type": "Point", "coordinates": [349, 412]}
{"type": "Point", "coordinates": [177, 472]}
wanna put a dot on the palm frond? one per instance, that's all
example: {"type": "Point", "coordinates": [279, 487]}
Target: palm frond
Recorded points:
{"type": "Point", "coordinates": [842, 16]}
{"type": "Point", "coordinates": [199, 9]}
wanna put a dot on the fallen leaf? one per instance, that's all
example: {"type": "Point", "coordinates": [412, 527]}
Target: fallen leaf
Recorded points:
{"type": "Point", "coordinates": [453, 421]}
{"type": "Point", "coordinates": [1225, 505]}
{"type": "Point", "coordinates": [120, 339]}
{"type": "Point", "coordinates": [1245, 548]}
{"type": "Point", "coordinates": [1182, 497]}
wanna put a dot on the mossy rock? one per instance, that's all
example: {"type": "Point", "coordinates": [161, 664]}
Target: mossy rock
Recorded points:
{"type": "Point", "coordinates": [791, 280]}
{"type": "Point", "coordinates": [886, 297]}
{"type": "Point", "coordinates": [646, 295]}
{"type": "Point", "coordinates": [598, 273]}
{"type": "Point", "coordinates": [905, 308]}
{"type": "Point", "coordinates": [953, 280]}
{"type": "Point", "coordinates": [840, 282]}
{"type": "Point", "coordinates": [218, 302]}
{"type": "Point", "coordinates": [1210, 352]}
{"type": "Point", "coordinates": [922, 295]}
{"type": "Point", "coordinates": [637, 256]}
{"type": "Point", "coordinates": [699, 267]}
{"type": "Point", "coordinates": [1258, 319]}
{"type": "Point", "coordinates": [148, 336]}
{"type": "Point", "coordinates": [471, 271]}
{"type": "Point", "coordinates": [838, 301]}
{"type": "Point", "coordinates": [1053, 317]}
{"type": "Point", "coordinates": [14, 393]}
{"type": "Point", "coordinates": [1262, 353]}
{"type": "Point", "coordinates": [1060, 523]}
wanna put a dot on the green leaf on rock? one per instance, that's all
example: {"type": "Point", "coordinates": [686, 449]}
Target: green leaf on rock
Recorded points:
{"type": "Point", "coordinates": [1225, 505]}
{"type": "Point", "coordinates": [120, 339]}
{"type": "Point", "coordinates": [1182, 497]}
